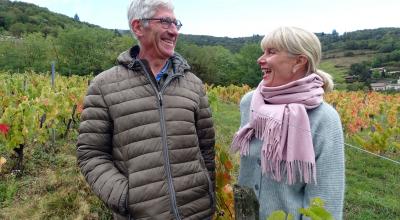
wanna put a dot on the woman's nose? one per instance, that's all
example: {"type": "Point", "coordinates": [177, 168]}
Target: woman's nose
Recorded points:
{"type": "Point", "coordinates": [261, 60]}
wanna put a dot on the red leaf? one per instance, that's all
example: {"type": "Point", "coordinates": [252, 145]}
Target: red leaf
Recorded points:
{"type": "Point", "coordinates": [4, 128]}
{"type": "Point", "coordinates": [228, 165]}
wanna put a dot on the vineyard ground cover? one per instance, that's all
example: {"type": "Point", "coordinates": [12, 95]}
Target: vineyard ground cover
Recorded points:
{"type": "Point", "coordinates": [227, 121]}
{"type": "Point", "coordinates": [372, 187]}
{"type": "Point", "coordinates": [50, 187]}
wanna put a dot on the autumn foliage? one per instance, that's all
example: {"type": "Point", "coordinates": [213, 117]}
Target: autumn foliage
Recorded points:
{"type": "Point", "coordinates": [370, 120]}
{"type": "Point", "coordinates": [31, 108]}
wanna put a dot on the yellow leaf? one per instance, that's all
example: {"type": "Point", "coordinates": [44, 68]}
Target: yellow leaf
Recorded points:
{"type": "Point", "coordinates": [2, 162]}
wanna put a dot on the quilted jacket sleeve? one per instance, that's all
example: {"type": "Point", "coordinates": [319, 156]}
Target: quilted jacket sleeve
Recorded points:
{"type": "Point", "coordinates": [94, 152]}
{"type": "Point", "coordinates": [206, 134]}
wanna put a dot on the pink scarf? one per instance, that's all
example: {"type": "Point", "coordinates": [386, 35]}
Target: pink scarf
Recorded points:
{"type": "Point", "coordinates": [283, 126]}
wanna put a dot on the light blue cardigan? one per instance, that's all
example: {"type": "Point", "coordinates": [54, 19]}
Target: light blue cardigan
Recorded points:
{"type": "Point", "coordinates": [328, 144]}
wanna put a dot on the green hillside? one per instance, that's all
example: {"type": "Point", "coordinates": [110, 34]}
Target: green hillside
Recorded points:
{"type": "Point", "coordinates": [33, 37]}
{"type": "Point", "coordinates": [19, 18]}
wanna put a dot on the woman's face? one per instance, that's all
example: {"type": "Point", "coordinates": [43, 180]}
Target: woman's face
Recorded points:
{"type": "Point", "coordinates": [278, 67]}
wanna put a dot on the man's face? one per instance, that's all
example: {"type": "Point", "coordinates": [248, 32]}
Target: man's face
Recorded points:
{"type": "Point", "coordinates": [158, 39]}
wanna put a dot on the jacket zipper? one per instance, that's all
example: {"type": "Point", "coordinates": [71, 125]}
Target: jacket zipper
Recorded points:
{"type": "Point", "coordinates": [167, 165]}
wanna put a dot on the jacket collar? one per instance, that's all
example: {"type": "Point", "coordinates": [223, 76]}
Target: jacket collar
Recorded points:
{"type": "Point", "coordinates": [129, 59]}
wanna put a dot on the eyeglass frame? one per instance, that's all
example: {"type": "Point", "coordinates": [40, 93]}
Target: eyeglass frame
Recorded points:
{"type": "Point", "coordinates": [165, 21]}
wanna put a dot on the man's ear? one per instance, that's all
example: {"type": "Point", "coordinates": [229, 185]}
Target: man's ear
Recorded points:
{"type": "Point", "coordinates": [301, 64]}
{"type": "Point", "coordinates": [137, 27]}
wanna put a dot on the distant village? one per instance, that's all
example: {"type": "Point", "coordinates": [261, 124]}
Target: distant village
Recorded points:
{"type": "Point", "coordinates": [380, 83]}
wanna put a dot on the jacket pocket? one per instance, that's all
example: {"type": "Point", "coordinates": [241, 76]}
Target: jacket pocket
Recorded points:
{"type": "Point", "coordinates": [210, 184]}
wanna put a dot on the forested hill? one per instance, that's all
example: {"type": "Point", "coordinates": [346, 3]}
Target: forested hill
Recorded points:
{"type": "Point", "coordinates": [380, 39]}
{"type": "Point", "coordinates": [32, 37]}
{"type": "Point", "coordinates": [233, 44]}
{"type": "Point", "coordinates": [19, 18]}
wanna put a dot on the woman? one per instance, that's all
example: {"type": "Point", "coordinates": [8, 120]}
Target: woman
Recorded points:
{"type": "Point", "coordinates": [290, 140]}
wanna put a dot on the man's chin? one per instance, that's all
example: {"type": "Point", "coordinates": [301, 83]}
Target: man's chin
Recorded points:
{"type": "Point", "coordinates": [168, 53]}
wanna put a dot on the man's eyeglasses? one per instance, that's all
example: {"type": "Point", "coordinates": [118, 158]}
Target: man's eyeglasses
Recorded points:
{"type": "Point", "coordinates": [165, 22]}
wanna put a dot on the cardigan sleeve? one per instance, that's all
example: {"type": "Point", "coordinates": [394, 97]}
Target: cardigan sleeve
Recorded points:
{"type": "Point", "coordinates": [329, 152]}
{"type": "Point", "coordinates": [245, 108]}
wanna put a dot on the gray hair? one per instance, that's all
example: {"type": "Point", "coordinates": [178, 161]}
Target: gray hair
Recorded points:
{"type": "Point", "coordinates": [297, 41]}
{"type": "Point", "coordinates": [139, 9]}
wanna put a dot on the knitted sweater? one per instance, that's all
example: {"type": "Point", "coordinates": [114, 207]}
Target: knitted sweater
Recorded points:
{"type": "Point", "coordinates": [328, 142]}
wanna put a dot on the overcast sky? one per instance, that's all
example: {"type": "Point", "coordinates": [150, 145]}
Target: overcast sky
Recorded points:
{"type": "Point", "coordinates": [241, 18]}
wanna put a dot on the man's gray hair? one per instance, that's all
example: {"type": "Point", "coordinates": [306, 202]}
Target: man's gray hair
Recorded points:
{"type": "Point", "coordinates": [139, 9]}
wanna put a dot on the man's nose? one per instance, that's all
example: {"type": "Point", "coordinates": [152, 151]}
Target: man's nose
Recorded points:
{"type": "Point", "coordinates": [173, 29]}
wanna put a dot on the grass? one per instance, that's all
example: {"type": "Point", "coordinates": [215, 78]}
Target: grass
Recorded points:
{"type": "Point", "coordinates": [338, 73]}
{"type": "Point", "coordinates": [51, 186]}
{"type": "Point", "coordinates": [339, 59]}
{"type": "Point", "coordinates": [226, 118]}
{"type": "Point", "coordinates": [8, 188]}
{"type": "Point", "coordinates": [372, 187]}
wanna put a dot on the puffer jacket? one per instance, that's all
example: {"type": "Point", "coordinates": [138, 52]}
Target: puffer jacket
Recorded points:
{"type": "Point", "coordinates": [148, 150]}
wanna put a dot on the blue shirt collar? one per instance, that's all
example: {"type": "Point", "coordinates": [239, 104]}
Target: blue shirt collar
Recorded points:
{"type": "Point", "coordinates": [163, 71]}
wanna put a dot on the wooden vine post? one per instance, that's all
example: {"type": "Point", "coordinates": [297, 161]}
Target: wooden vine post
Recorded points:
{"type": "Point", "coordinates": [246, 203]}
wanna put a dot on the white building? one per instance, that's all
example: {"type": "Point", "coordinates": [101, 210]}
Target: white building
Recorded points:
{"type": "Point", "coordinates": [382, 86]}
{"type": "Point", "coordinates": [378, 86]}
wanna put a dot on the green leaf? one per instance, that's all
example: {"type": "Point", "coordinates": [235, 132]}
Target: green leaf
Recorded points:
{"type": "Point", "coordinates": [277, 215]}
{"type": "Point", "coordinates": [316, 211]}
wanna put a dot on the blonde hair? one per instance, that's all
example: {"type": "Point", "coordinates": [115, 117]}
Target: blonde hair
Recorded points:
{"type": "Point", "coordinates": [297, 41]}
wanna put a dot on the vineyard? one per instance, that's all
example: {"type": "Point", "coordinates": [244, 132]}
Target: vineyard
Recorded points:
{"type": "Point", "coordinates": [32, 110]}
{"type": "Point", "coordinates": [371, 121]}
{"type": "Point", "coordinates": [39, 118]}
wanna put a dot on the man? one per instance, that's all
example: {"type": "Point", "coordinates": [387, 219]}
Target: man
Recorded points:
{"type": "Point", "coordinates": [146, 138]}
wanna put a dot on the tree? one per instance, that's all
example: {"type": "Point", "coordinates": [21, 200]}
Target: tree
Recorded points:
{"type": "Point", "coordinates": [17, 29]}
{"type": "Point", "coordinates": [2, 20]}
{"type": "Point", "coordinates": [30, 52]}
{"type": "Point", "coordinates": [199, 60]}
{"type": "Point", "coordinates": [83, 50]}
{"type": "Point", "coordinates": [335, 33]}
{"type": "Point", "coordinates": [36, 52]}
{"type": "Point", "coordinates": [117, 33]}
{"type": "Point", "coordinates": [10, 55]}
{"type": "Point", "coordinates": [224, 66]}
{"type": "Point", "coordinates": [387, 47]}
{"type": "Point", "coordinates": [362, 70]}
{"type": "Point", "coordinates": [117, 46]}
{"type": "Point", "coordinates": [76, 17]}
{"type": "Point", "coordinates": [247, 70]}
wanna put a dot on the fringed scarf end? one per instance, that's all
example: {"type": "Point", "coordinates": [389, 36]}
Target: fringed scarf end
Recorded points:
{"type": "Point", "coordinates": [295, 171]}
{"type": "Point", "coordinates": [241, 140]}
{"type": "Point", "coordinates": [269, 130]}
{"type": "Point", "coordinates": [303, 171]}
